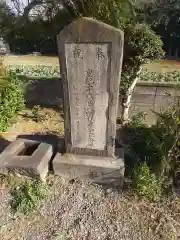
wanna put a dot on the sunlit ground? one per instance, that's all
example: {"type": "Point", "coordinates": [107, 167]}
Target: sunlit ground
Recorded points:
{"type": "Point", "coordinates": [30, 60]}
{"type": "Point", "coordinates": [164, 66]}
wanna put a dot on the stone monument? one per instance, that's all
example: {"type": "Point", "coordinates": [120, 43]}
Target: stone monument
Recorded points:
{"type": "Point", "coordinates": [4, 47]}
{"type": "Point", "coordinates": [90, 54]}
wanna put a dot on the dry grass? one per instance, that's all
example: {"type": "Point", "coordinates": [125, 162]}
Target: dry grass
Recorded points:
{"type": "Point", "coordinates": [52, 124]}
{"type": "Point", "coordinates": [31, 60]}
{"type": "Point", "coordinates": [164, 66]}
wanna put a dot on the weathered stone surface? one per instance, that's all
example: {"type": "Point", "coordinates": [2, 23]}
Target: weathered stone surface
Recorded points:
{"type": "Point", "coordinates": [90, 54]}
{"type": "Point", "coordinates": [98, 169]}
{"type": "Point", "coordinates": [4, 47]}
{"type": "Point", "coordinates": [26, 157]}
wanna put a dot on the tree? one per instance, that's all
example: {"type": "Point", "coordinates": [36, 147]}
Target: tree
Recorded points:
{"type": "Point", "coordinates": [141, 43]}
{"type": "Point", "coordinates": [164, 17]}
{"type": "Point", "coordinates": [36, 31]}
{"type": "Point", "coordinates": [7, 19]}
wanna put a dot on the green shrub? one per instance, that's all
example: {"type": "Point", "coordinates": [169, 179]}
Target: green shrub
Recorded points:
{"type": "Point", "coordinates": [11, 101]}
{"type": "Point", "coordinates": [173, 77]}
{"type": "Point", "coordinates": [54, 71]}
{"type": "Point", "coordinates": [137, 120]}
{"type": "Point", "coordinates": [158, 146]}
{"type": "Point", "coordinates": [146, 183]}
{"type": "Point", "coordinates": [35, 71]}
{"type": "Point", "coordinates": [27, 197]}
{"type": "Point", "coordinates": [166, 138]}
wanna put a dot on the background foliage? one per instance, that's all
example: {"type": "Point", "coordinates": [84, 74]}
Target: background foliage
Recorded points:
{"type": "Point", "coordinates": [54, 71]}
{"type": "Point", "coordinates": [157, 148]}
{"type": "Point", "coordinates": [11, 101]}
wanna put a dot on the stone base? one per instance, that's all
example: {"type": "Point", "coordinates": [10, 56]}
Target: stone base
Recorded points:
{"type": "Point", "coordinates": [100, 170]}
{"type": "Point", "coordinates": [26, 157]}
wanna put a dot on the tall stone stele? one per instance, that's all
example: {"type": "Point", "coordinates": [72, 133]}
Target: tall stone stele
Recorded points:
{"type": "Point", "coordinates": [90, 54]}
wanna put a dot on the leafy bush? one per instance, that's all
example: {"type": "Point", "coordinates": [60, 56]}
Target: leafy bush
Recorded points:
{"type": "Point", "coordinates": [35, 71]}
{"type": "Point", "coordinates": [166, 139]}
{"type": "Point", "coordinates": [27, 197]}
{"type": "Point", "coordinates": [160, 77]}
{"type": "Point", "coordinates": [146, 183]}
{"type": "Point", "coordinates": [158, 146]}
{"type": "Point", "coordinates": [137, 120]}
{"type": "Point", "coordinates": [11, 101]}
{"type": "Point", "coordinates": [54, 71]}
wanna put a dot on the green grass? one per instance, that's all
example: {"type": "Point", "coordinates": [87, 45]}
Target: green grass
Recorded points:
{"type": "Point", "coordinates": [27, 197]}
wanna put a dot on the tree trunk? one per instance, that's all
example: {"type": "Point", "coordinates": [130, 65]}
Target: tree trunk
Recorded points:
{"type": "Point", "coordinates": [170, 52]}
{"type": "Point", "coordinates": [176, 54]}
{"type": "Point", "coordinates": [127, 100]}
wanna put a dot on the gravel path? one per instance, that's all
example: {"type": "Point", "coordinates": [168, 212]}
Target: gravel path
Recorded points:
{"type": "Point", "coordinates": [82, 211]}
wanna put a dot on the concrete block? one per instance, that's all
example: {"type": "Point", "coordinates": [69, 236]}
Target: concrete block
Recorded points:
{"type": "Point", "coordinates": [97, 169]}
{"type": "Point", "coordinates": [143, 90]}
{"type": "Point", "coordinates": [143, 99]}
{"type": "Point", "coordinates": [26, 157]}
{"type": "Point", "coordinates": [164, 91]}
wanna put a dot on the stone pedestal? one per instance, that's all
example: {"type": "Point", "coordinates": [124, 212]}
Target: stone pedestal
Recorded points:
{"type": "Point", "coordinates": [97, 169]}
{"type": "Point", "coordinates": [26, 157]}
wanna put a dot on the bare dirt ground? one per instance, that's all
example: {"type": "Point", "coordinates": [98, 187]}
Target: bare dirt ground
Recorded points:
{"type": "Point", "coordinates": [81, 211]}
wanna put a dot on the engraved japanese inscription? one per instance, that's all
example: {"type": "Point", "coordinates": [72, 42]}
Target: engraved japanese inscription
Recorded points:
{"type": "Point", "coordinates": [87, 76]}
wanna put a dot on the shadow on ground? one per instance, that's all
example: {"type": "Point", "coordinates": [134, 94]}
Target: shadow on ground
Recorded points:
{"type": "Point", "coordinates": [3, 144]}
{"type": "Point", "coordinates": [45, 92]}
{"type": "Point", "coordinates": [57, 142]}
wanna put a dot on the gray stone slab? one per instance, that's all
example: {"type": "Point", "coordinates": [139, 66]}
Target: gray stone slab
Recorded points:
{"type": "Point", "coordinates": [150, 90]}
{"type": "Point", "coordinates": [90, 54]}
{"type": "Point", "coordinates": [164, 91]}
{"type": "Point", "coordinates": [143, 98]}
{"type": "Point", "coordinates": [26, 157]}
{"type": "Point", "coordinates": [97, 169]}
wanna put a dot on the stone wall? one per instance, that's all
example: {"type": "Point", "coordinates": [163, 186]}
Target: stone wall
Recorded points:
{"type": "Point", "coordinates": [149, 97]}
{"type": "Point", "coordinates": [146, 97]}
